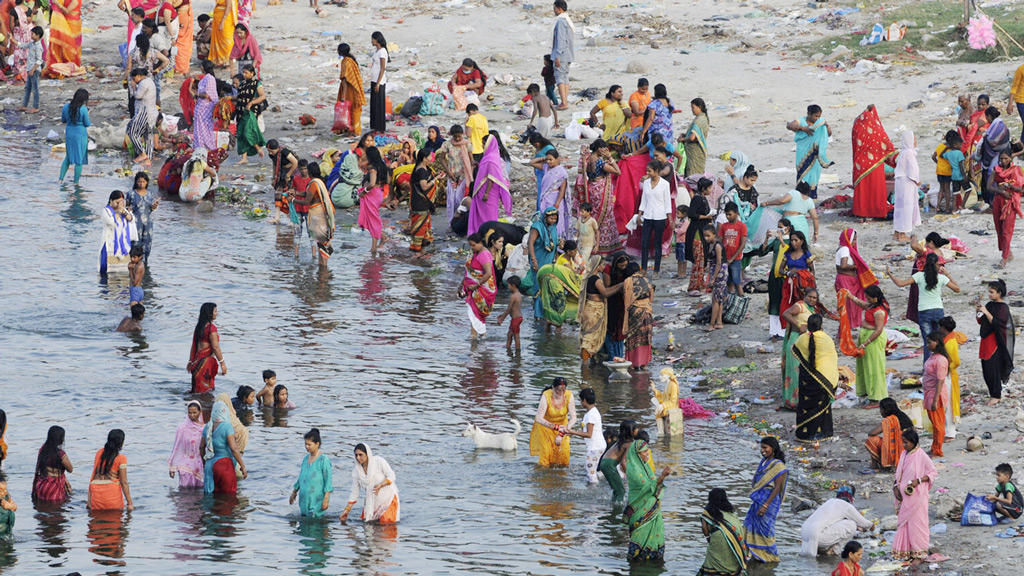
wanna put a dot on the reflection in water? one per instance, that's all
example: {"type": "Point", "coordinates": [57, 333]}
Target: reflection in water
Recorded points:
{"type": "Point", "coordinates": [188, 517]}
{"type": "Point", "coordinates": [108, 531]}
{"type": "Point", "coordinates": [374, 544]}
{"type": "Point", "coordinates": [371, 292]}
{"type": "Point", "coordinates": [275, 417]}
{"type": "Point", "coordinates": [8, 557]}
{"type": "Point", "coordinates": [219, 524]}
{"type": "Point", "coordinates": [314, 543]}
{"type": "Point", "coordinates": [53, 524]}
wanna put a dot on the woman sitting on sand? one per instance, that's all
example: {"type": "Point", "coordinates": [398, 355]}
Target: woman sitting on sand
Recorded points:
{"type": "Point", "coordinates": [885, 442]}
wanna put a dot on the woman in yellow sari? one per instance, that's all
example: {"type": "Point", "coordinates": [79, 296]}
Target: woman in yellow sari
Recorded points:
{"type": "Point", "coordinates": [351, 88]}
{"type": "Point", "coordinates": [819, 376]}
{"type": "Point", "coordinates": [225, 16]}
{"type": "Point", "coordinates": [592, 314]}
{"type": "Point", "coordinates": [556, 413]}
{"type": "Point", "coordinates": [614, 112]}
{"type": "Point", "coordinates": [952, 339]}
{"type": "Point", "coordinates": [65, 47]}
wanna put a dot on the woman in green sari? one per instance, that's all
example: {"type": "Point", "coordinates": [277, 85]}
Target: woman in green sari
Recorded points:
{"type": "Point", "coordinates": [727, 550]}
{"type": "Point", "coordinates": [643, 514]}
{"type": "Point", "coordinates": [250, 103]}
{"type": "Point", "coordinates": [542, 247]}
{"type": "Point", "coordinates": [695, 142]}
{"type": "Point", "coordinates": [559, 292]}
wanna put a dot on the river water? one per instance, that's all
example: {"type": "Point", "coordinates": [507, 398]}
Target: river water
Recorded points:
{"type": "Point", "coordinates": [372, 350]}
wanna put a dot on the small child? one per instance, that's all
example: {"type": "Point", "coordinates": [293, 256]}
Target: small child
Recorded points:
{"type": "Point", "coordinates": [543, 111]}
{"type": "Point", "coordinates": [265, 397]}
{"type": "Point", "coordinates": [301, 178]}
{"type": "Point", "coordinates": [548, 73]}
{"type": "Point", "coordinates": [1008, 500]}
{"type": "Point", "coordinates": [718, 276]}
{"type": "Point", "coordinates": [300, 181]}
{"type": "Point", "coordinates": [587, 240]}
{"type": "Point", "coordinates": [594, 437]}
{"type": "Point", "coordinates": [244, 398]}
{"type": "Point", "coordinates": [133, 323]}
{"type": "Point", "coordinates": [203, 36]}
{"type": "Point", "coordinates": [476, 129]}
{"type": "Point", "coordinates": [679, 230]}
{"type": "Point", "coordinates": [514, 310]}
{"type": "Point", "coordinates": [734, 238]}
{"type": "Point", "coordinates": [136, 271]}
{"type": "Point", "coordinates": [943, 170]}
{"type": "Point", "coordinates": [7, 509]}
{"type": "Point", "coordinates": [281, 397]}
{"type": "Point", "coordinates": [571, 258]}
{"type": "Point", "coordinates": [958, 167]}
{"type": "Point", "coordinates": [33, 66]}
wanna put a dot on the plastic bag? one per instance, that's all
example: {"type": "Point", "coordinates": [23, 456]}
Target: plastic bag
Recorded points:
{"type": "Point", "coordinates": [459, 96]}
{"type": "Point", "coordinates": [518, 263]}
{"type": "Point", "coordinates": [978, 512]}
{"type": "Point", "coordinates": [472, 98]}
{"type": "Point", "coordinates": [342, 117]}
{"type": "Point", "coordinates": [412, 106]}
{"type": "Point", "coordinates": [573, 131]}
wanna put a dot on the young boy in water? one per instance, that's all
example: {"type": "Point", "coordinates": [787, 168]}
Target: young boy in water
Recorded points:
{"type": "Point", "coordinates": [133, 323]}
{"type": "Point", "coordinates": [265, 396]}
{"type": "Point", "coordinates": [587, 240]}
{"type": "Point", "coordinates": [591, 433]}
{"type": "Point", "coordinates": [136, 271]}
{"type": "Point", "coordinates": [1008, 499]}
{"type": "Point", "coordinates": [514, 310]}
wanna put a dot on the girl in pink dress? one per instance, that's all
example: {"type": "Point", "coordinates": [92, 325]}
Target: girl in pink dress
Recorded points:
{"type": "Point", "coordinates": [372, 195]}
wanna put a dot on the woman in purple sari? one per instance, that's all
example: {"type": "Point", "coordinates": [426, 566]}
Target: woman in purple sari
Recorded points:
{"type": "Point", "coordinates": [203, 135]}
{"type": "Point", "coordinates": [490, 188]}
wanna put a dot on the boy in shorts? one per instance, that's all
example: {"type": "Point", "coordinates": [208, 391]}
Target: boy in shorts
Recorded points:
{"type": "Point", "coordinates": [515, 310]}
{"type": "Point", "coordinates": [1008, 500]}
{"type": "Point", "coordinates": [136, 271]}
{"type": "Point", "coordinates": [734, 238]}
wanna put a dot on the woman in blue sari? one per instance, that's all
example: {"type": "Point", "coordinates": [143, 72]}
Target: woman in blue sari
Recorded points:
{"type": "Point", "coordinates": [542, 247]}
{"type": "Point", "coordinates": [769, 489]}
{"type": "Point", "coordinates": [812, 134]}
{"type": "Point", "coordinates": [220, 452]}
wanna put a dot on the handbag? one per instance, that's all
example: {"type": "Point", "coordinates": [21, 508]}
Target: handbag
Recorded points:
{"type": "Point", "coordinates": [433, 104]}
{"type": "Point", "coordinates": [734, 309]}
{"type": "Point", "coordinates": [978, 512]}
{"type": "Point", "coordinates": [342, 116]}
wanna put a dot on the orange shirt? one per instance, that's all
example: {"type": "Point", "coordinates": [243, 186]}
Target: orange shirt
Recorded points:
{"type": "Point", "coordinates": [643, 100]}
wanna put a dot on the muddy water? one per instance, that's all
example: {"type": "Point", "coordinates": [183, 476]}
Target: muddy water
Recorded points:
{"type": "Point", "coordinates": [373, 350]}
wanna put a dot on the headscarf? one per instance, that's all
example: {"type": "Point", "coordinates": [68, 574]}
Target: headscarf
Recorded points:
{"type": "Point", "coordinates": [996, 141]}
{"type": "Point", "coordinates": [906, 164]}
{"type": "Point", "coordinates": [548, 235]}
{"type": "Point", "coordinates": [871, 145]}
{"type": "Point", "coordinates": [492, 168]}
{"type": "Point", "coordinates": [845, 492]}
{"type": "Point", "coordinates": [434, 146]}
{"type": "Point", "coordinates": [219, 414]}
{"type": "Point", "coordinates": [864, 274]}
{"type": "Point", "coordinates": [248, 45]}
{"type": "Point", "coordinates": [187, 432]}
{"type": "Point", "coordinates": [742, 162]}
{"type": "Point", "coordinates": [326, 166]}
{"type": "Point", "coordinates": [374, 474]}
{"type": "Point", "coordinates": [241, 432]}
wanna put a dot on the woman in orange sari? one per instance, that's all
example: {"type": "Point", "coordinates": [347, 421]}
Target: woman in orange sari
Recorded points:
{"type": "Point", "coordinates": [556, 414]}
{"type": "Point", "coordinates": [184, 41]}
{"type": "Point", "coordinates": [872, 149]}
{"type": "Point", "coordinates": [203, 360]}
{"type": "Point", "coordinates": [351, 88]}
{"type": "Point", "coordinates": [884, 442]}
{"type": "Point", "coordinates": [110, 476]}
{"type": "Point", "coordinates": [225, 16]}
{"type": "Point", "coordinates": [65, 37]}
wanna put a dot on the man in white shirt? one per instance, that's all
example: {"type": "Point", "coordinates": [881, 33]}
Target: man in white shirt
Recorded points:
{"type": "Point", "coordinates": [832, 525]}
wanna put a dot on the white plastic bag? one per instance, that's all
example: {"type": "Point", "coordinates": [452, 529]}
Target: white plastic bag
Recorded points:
{"type": "Point", "coordinates": [518, 263]}
{"type": "Point", "coordinates": [573, 131]}
{"type": "Point", "coordinates": [633, 223]}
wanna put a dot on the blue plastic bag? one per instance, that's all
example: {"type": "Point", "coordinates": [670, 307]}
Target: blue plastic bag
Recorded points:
{"type": "Point", "coordinates": [978, 512]}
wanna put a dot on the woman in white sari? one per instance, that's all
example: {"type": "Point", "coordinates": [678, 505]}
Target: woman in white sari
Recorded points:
{"type": "Point", "coordinates": [373, 474]}
{"type": "Point", "coordinates": [906, 213]}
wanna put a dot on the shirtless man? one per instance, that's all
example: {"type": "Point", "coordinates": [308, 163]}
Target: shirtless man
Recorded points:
{"type": "Point", "coordinates": [133, 323]}
{"type": "Point", "coordinates": [543, 111]}
{"type": "Point", "coordinates": [616, 453]}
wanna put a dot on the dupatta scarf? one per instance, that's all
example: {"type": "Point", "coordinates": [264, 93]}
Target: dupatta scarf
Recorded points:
{"type": "Point", "coordinates": [480, 297]}
{"type": "Point", "coordinates": [377, 470]}
{"type": "Point", "coordinates": [995, 142]}
{"type": "Point", "coordinates": [761, 529]}
{"type": "Point", "coordinates": [490, 173]}
{"type": "Point", "coordinates": [871, 145]}
{"type": "Point", "coordinates": [248, 49]}
{"type": "Point", "coordinates": [700, 128]}
{"type": "Point", "coordinates": [350, 73]}
{"type": "Point", "coordinates": [848, 239]}
{"type": "Point", "coordinates": [646, 525]}
{"type": "Point", "coordinates": [241, 432]}
{"type": "Point", "coordinates": [185, 452]}
{"type": "Point", "coordinates": [553, 180]}
{"type": "Point", "coordinates": [906, 164]}
{"type": "Point", "coordinates": [218, 415]}
{"type": "Point", "coordinates": [1015, 177]}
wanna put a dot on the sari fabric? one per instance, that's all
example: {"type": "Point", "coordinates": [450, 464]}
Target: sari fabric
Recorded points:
{"type": "Point", "coordinates": [313, 484]}
{"type": "Point", "coordinates": [790, 364]}
{"type": "Point", "coordinates": [321, 216]}
{"type": "Point", "coordinates": [912, 537]}
{"type": "Point", "coordinates": [871, 363]}
{"type": "Point", "coordinates": [727, 552]}
{"type": "Point", "coordinates": [887, 447]}
{"type": "Point", "coordinates": [596, 189]}
{"type": "Point", "coordinates": [996, 349]}
{"type": "Point", "coordinates": [64, 53]}
{"type": "Point", "coordinates": [185, 460]}
{"type": "Point", "coordinates": [480, 297]}
{"type": "Point", "coordinates": [811, 153]}
{"type": "Point", "coordinates": [646, 524]}
{"type": "Point", "coordinates": [627, 190]}
{"type": "Point", "coordinates": [697, 152]}
{"type": "Point", "coordinates": [593, 318]}
{"type": "Point", "coordinates": [117, 241]}
{"type": "Point", "coordinates": [202, 363]}
{"type": "Point", "coordinates": [247, 134]}
{"type": "Point", "coordinates": [490, 174]}
{"type": "Point", "coordinates": [952, 345]}
{"type": "Point", "coordinates": [184, 43]}
{"type": "Point", "coordinates": [760, 530]}
{"type": "Point", "coordinates": [638, 324]}
{"type": "Point", "coordinates": [105, 491]}
{"type": "Point", "coordinates": [544, 248]}
{"type": "Point", "coordinates": [225, 16]}
{"type": "Point", "coordinates": [1005, 211]}
{"type": "Point", "coordinates": [559, 291]}
{"type": "Point", "coordinates": [51, 488]}
{"type": "Point", "coordinates": [344, 180]}
{"type": "Point", "coordinates": [203, 135]}
{"type": "Point", "coordinates": [550, 187]}
{"type": "Point", "coordinates": [248, 49]}
{"type": "Point", "coordinates": [544, 441]}
{"type": "Point", "coordinates": [6, 518]}
{"type": "Point", "coordinates": [818, 381]}
{"type": "Point", "coordinates": [872, 148]}
{"type": "Point", "coordinates": [219, 472]}
{"type": "Point", "coordinates": [384, 506]}
{"type": "Point", "coordinates": [351, 76]}
{"type": "Point", "coordinates": [614, 119]}
{"type": "Point", "coordinates": [906, 213]}
{"type": "Point", "coordinates": [662, 120]}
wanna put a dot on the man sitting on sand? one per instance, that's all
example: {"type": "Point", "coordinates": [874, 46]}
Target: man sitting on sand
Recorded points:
{"type": "Point", "coordinates": [133, 323]}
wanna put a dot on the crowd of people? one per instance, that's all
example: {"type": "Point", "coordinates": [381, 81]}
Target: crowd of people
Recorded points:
{"type": "Point", "coordinates": [591, 256]}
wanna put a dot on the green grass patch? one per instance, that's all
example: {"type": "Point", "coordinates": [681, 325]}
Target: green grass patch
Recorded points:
{"type": "Point", "coordinates": [942, 14]}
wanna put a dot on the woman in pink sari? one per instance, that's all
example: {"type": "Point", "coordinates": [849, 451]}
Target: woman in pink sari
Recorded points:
{"type": "Point", "coordinates": [490, 188]}
{"type": "Point", "coordinates": [915, 476]}
{"type": "Point", "coordinates": [594, 185]}
{"type": "Point", "coordinates": [478, 286]}
{"type": "Point", "coordinates": [377, 175]}
{"type": "Point", "coordinates": [185, 458]}
{"type": "Point", "coordinates": [852, 273]}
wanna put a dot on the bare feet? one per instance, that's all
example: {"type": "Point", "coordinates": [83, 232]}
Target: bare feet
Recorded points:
{"type": "Point", "coordinates": [243, 161]}
{"type": "Point", "coordinates": [992, 401]}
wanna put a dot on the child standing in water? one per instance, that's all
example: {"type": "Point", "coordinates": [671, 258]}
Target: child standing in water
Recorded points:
{"type": "Point", "coordinates": [515, 311]}
{"type": "Point", "coordinates": [265, 396]}
{"type": "Point", "coordinates": [588, 228]}
{"type": "Point", "coordinates": [591, 433]}
{"type": "Point", "coordinates": [281, 397]}
{"type": "Point", "coordinates": [136, 271]}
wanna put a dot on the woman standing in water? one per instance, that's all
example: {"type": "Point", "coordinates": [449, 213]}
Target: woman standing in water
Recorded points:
{"type": "Point", "coordinates": [374, 475]}
{"type": "Point", "coordinates": [769, 489]}
{"type": "Point", "coordinates": [50, 484]}
{"type": "Point", "coordinates": [478, 286]}
{"type": "Point", "coordinates": [556, 413]}
{"type": "Point", "coordinates": [643, 514]}
{"type": "Point", "coordinates": [220, 451]}
{"type": "Point", "coordinates": [314, 486]}
{"type": "Point", "coordinates": [117, 235]}
{"type": "Point", "coordinates": [185, 458]}
{"type": "Point", "coordinates": [205, 354]}
{"type": "Point", "coordinates": [75, 116]}
{"type": "Point", "coordinates": [110, 476]}
{"type": "Point", "coordinates": [727, 552]}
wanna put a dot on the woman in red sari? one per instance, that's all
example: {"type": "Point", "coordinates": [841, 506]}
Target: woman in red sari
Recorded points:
{"type": "Point", "coordinates": [50, 484]}
{"type": "Point", "coordinates": [65, 46]}
{"type": "Point", "coordinates": [478, 285]}
{"type": "Point", "coordinates": [203, 360]}
{"type": "Point", "coordinates": [1009, 180]}
{"type": "Point", "coordinates": [852, 272]}
{"type": "Point", "coordinates": [872, 149]}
